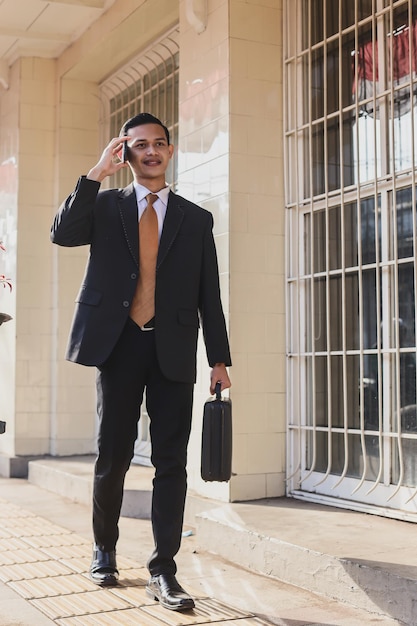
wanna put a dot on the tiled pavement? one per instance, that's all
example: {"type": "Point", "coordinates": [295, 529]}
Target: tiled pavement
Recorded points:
{"type": "Point", "coordinates": [47, 565]}
{"type": "Point", "coordinates": [45, 551]}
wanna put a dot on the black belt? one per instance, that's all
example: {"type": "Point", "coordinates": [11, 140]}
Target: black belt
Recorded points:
{"type": "Point", "coordinates": [149, 325]}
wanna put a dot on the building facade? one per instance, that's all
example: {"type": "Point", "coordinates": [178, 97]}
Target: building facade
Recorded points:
{"type": "Point", "coordinates": [294, 125]}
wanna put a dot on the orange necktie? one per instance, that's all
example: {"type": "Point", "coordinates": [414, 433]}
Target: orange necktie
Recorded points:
{"type": "Point", "coordinates": [143, 305]}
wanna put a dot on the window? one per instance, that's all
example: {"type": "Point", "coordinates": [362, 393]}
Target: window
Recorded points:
{"type": "Point", "coordinates": [149, 84]}
{"type": "Point", "coordinates": [351, 69]}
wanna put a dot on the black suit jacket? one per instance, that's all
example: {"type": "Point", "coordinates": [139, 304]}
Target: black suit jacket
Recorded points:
{"type": "Point", "coordinates": [187, 283]}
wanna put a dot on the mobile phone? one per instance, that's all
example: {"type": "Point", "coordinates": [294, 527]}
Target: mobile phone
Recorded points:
{"type": "Point", "coordinates": [125, 152]}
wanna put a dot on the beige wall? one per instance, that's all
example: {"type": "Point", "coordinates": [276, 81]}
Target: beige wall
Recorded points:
{"type": "Point", "coordinates": [230, 161]}
{"type": "Point", "coordinates": [33, 276]}
{"type": "Point", "coordinates": [28, 131]}
{"type": "Point", "coordinates": [73, 409]}
{"type": "Point", "coordinates": [203, 172]}
{"type": "Point", "coordinates": [257, 259]}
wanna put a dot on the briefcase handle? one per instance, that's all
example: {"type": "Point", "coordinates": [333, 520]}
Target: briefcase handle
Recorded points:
{"type": "Point", "coordinates": [218, 390]}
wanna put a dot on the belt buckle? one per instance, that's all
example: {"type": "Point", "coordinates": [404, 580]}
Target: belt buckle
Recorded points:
{"type": "Point", "coordinates": [151, 326]}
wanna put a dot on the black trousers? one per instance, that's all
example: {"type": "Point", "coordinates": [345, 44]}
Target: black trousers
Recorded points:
{"type": "Point", "coordinates": [121, 382]}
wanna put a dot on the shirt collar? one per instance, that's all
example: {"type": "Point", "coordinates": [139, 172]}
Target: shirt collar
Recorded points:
{"type": "Point", "coordinates": [142, 192]}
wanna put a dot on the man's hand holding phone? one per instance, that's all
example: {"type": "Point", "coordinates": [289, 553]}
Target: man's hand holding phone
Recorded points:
{"type": "Point", "coordinates": [113, 158]}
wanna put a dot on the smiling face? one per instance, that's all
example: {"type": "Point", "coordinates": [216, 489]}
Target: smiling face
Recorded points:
{"type": "Point", "coordinates": [149, 154]}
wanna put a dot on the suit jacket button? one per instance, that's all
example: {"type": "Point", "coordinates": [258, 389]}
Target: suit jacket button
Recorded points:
{"type": "Point", "coordinates": [133, 276]}
{"type": "Point", "coordinates": [126, 303]}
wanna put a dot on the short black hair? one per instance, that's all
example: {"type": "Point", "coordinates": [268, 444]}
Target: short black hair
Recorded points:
{"type": "Point", "coordinates": [143, 118]}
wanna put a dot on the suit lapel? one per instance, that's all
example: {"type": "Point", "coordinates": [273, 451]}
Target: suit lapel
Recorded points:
{"type": "Point", "coordinates": [172, 223]}
{"type": "Point", "coordinates": [128, 209]}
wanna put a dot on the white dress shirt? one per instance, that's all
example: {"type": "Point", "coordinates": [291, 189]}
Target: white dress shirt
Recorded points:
{"type": "Point", "coordinates": [160, 205]}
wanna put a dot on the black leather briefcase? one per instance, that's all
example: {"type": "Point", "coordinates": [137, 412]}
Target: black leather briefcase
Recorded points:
{"type": "Point", "coordinates": [216, 443]}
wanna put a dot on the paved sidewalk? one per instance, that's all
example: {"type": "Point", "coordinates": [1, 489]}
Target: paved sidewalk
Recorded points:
{"type": "Point", "coordinates": [45, 551]}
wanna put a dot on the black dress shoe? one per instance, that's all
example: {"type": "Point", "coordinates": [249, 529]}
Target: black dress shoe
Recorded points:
{"type": "Point", "coordinates": [169, 593]}
{"type": "Point", "coordinates": [103, 569]}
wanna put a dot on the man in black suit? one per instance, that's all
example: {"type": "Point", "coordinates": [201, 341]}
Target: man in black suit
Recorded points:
{"type": "Point", "coordinates": [143, 336]}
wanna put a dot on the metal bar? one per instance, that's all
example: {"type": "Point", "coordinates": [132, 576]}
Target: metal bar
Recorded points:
{"type": "Point", "coordinates": [292, 221]}
{"type": "Point", "coordinates": [377, 273]}
{"type": "Point", "coordinates": [312, 285]}
{"type": "Point", "coordinates": [412, 55]}
{"type": "Point", "coordinates": [92, 4]}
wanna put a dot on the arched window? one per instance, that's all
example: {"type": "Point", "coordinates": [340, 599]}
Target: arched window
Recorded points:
{"type": "Point", "coordinates": [149, 83]}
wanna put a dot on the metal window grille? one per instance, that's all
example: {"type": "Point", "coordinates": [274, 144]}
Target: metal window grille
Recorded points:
{"type": "Point", "coordinates": [350, 128]}
{"type": "Point", "coordinates": [149, 83]}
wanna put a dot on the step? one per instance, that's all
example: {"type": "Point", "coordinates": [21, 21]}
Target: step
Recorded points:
{"type": "Point", "coordinates": [366, 561]}
{"type": "Point", "coordinates": [72, 477]}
